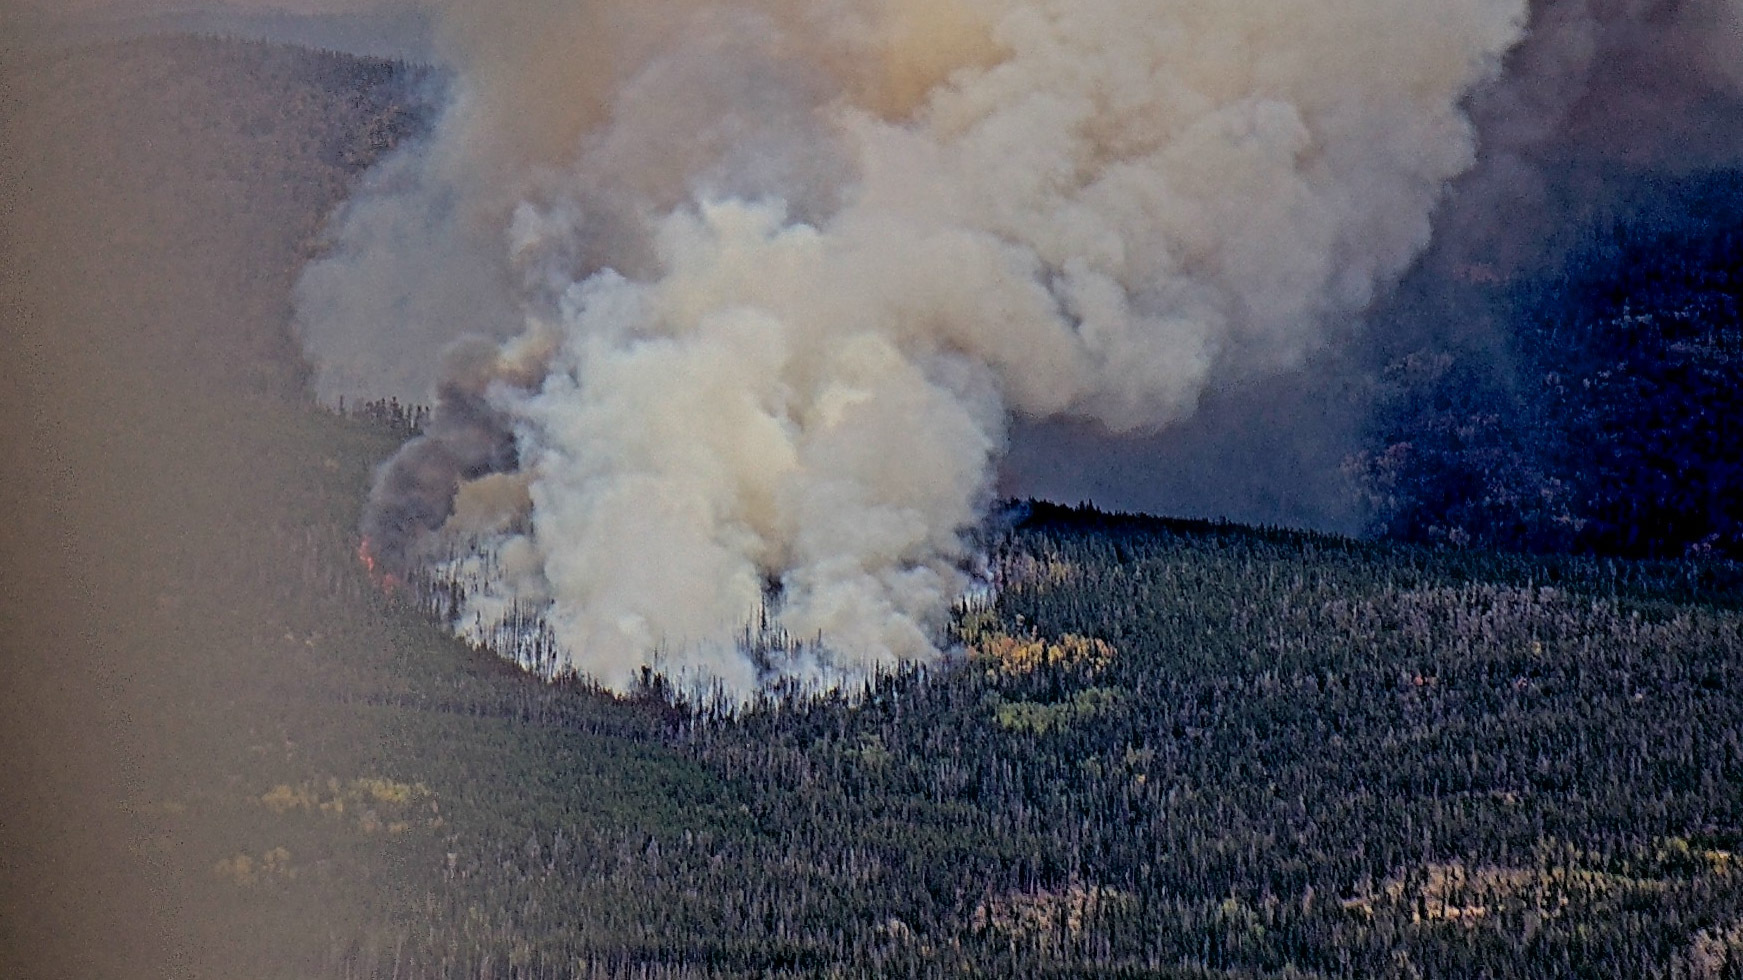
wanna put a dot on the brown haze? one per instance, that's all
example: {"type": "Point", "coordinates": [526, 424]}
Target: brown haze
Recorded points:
{"type": "Point", "coordinates": [155, 216]}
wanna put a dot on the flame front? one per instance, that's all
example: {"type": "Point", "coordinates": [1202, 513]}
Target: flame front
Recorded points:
{"type": "Point", "coordinates": [383, 580]}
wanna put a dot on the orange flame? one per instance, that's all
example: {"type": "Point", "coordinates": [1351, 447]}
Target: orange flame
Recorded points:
{"type": "Point", "coordinates": [387, 581]}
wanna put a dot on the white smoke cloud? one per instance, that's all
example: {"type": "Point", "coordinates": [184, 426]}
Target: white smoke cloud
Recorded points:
{"type": "Point", "coordinates": [785, 271]}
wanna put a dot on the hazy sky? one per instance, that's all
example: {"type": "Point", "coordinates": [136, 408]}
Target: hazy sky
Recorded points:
{"type": "Point", "coordinates": [388, 27]}
{"type": "Point", "coordinates": [139, 8]}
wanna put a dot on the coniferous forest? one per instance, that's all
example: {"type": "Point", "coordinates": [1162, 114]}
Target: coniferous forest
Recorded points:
{"type": "Point", "coordinates": [1157, 748]}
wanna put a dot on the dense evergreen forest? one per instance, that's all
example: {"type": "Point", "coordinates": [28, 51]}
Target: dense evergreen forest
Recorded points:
{"type": "Point", "coordinates": [1174, 749]}
{"type": "Point", "coordinates": [1160, 749]}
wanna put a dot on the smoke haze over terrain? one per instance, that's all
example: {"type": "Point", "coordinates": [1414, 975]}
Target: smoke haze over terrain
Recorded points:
{"type": "Point", "coordinates": [158, 197]}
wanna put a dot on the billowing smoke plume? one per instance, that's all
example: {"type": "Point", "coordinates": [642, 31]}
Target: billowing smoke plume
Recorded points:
{"type": "Point", "coordinates": [767, 281]}
{"type": "Point", "coordinates": [1598, 96]}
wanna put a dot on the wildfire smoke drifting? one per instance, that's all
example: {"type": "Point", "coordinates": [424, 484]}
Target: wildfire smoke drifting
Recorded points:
{"type": "Point", "coordinates": [762, 283]}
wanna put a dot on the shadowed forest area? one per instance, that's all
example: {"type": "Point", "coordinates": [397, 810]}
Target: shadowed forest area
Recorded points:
{"type": "Point", "coordinates": [1607, 423]}
{"type": "Point", "coordinates": [1167, 749]}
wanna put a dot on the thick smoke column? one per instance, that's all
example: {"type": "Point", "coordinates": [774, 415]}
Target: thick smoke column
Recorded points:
{"type": "Point", "coordinates": [778, 274]}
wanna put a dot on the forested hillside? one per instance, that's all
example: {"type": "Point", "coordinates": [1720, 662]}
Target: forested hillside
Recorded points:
{"type": "Point", "coordinates": [1608, 424]}
{"type": "Point", "coordinates": [1160, 749]}
{"type": "Point", "coordinates": [1174, 749]}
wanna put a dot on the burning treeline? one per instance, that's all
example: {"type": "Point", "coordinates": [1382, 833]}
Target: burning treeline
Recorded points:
{"type": "Point", "coordinates": [735, 300]}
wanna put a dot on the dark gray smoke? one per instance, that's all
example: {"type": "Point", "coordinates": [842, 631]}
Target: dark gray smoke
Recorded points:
{"type": "Point", "coordinates": [466, 439]}
{"type": "Point", "coordinates": [1600, 91]}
